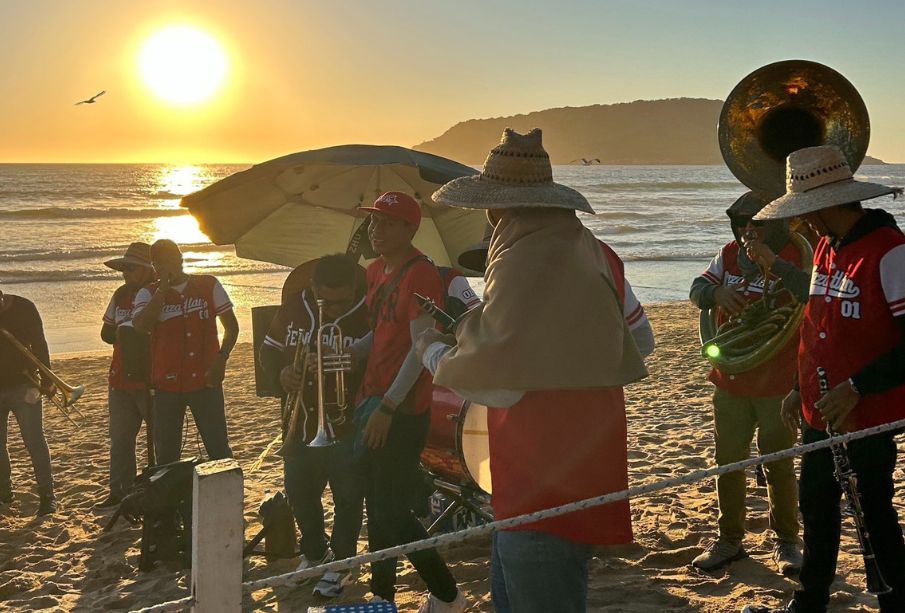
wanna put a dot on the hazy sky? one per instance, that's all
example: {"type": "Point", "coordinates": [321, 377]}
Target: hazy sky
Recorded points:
{"type": "Point", "coordinates": [302, 75]}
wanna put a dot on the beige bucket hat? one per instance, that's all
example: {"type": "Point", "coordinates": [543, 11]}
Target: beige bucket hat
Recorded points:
{"type": "Point", "coordinates": [819, 178]}
{"type": "Point", "coordinates": [137, 254]}
{"type": "Point", "coordinates": [517, 173]}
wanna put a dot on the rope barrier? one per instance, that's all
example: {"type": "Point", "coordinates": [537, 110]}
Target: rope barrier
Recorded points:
{"type": "Point", "coordinates": [640, 490]}
{"type": "Point", "coordinates": [291, 578]}
{"type": "Point", "coordinates": [167, 607]}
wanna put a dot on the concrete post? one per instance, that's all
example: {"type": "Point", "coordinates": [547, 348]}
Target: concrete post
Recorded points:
{"type": "Point", "coordinates": [217, 537]}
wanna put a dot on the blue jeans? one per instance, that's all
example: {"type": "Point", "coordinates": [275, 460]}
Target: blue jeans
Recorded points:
{"type": "Point", "coordinates": [31, 426]}
{"type": "Point", "coordinates": [208, 410]}
{"type": "Point", "coordinates": [127, 408]}
{"type": "Point", "coordinates": [536, 572]}
{"type": "Point", "coordinates": [305, 475]}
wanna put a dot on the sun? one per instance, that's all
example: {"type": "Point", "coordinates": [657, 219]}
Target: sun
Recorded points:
{"type": "Point", "coordinates": [182, 65]}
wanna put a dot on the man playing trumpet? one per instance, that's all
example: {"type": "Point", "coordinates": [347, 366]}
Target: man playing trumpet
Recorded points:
{"type": "Point", "coordinates": [747, 401]}
{"type": "Point", "coordinates": [18, 396]}
{"type": "Point", "coordinates": [340, 289]}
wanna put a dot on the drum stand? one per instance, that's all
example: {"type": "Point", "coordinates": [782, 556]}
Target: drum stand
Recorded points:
{"type": "Point", "coordinates": [463, 497]}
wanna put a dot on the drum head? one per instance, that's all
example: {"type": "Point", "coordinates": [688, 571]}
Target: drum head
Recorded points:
{"type": "Point", "coordinates": [476, 445]}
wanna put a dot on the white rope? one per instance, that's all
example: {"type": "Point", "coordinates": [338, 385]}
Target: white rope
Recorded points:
{"type": "Point", "coordinates": [290, 579]}
{"type": "Point", "coordinates": [166, 607]}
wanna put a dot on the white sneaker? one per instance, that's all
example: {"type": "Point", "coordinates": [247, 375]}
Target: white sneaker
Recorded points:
{"type": "Point", "coordinates": [332, 583]}
{"type": "Point", "coordinates": [434, 605]}
{"type": "Point", "coordinates": [305, 563]}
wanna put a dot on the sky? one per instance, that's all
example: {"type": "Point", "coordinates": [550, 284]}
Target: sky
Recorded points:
{"type": "Point", "coordinates": [302, 75]}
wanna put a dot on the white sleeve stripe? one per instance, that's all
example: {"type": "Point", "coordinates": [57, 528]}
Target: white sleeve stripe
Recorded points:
{"type": "Point", "coordinates": [224, 308]}
{"type": "Point", "coordinates": [270, 342]}
{"type": "Point", "coordinates": [635, 315]}
{"type": "Point", "coordinates": [892, 278]}
{"type": "Point", "coordinates": [711, 277]}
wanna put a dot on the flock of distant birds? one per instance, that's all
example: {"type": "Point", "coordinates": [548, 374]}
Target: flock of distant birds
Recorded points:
{"type": "Point", "coordinates": [93, 99]}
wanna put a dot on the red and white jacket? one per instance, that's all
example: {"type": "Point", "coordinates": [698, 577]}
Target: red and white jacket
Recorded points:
{"type": "Point", "coordinates": [184, 342]}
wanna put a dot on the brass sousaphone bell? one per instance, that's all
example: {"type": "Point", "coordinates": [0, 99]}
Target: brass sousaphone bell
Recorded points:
{"type": "Point", "coordinates": [777, 109]}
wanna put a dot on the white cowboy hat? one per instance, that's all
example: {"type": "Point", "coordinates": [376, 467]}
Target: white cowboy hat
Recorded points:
{"type": "Point", "coordinates": [819, 178]}
{"type": "Point", "coordinates": [137, 254]}
{"type": "Point", "coordinates": [516, 174]}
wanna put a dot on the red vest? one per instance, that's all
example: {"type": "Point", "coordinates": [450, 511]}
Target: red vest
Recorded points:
{"type": "Point", "coordinates": [776, 376]}
{"type": "Point", "coordinates": [184, 342]}
{"type": "Point", "coordinates": [122, 303]}
{"type": "Point", "coordinates": [848, 324]}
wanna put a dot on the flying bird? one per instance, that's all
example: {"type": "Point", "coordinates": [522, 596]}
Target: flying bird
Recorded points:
{"type": "Point", "coordinates": [585, 162]}
{"type": "Point", "coordinates": [92, 99]}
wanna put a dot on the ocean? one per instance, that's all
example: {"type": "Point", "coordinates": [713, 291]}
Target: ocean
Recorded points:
{"type": "Point", "coordinates": [60, 222]}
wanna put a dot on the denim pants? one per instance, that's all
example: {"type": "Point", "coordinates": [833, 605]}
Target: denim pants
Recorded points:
{"type": "Point", "coordinates": [31, 425]}
{"type": "Point", "coordinates": [391, 474]}
{"type": "Point", "coordinates": [208, 410]}
{"type": "Point", "coordinates": [537, 572]}
{"type": "Point", "coordinates": [735, 419]}
{"type": "Point", "coordinates": [874, 460]}
{"type": "Point", "coordinates": [127, 408]}
{"type": "Point", "coordinates": [305, 474]}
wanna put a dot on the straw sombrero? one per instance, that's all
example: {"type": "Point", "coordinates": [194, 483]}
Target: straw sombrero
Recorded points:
{"type": "Point", "coordinates": [517, 173]}
{"type": "Point", "coordinates": [137, 254]}
{"type": "Point", "coordinates": [819, 178]}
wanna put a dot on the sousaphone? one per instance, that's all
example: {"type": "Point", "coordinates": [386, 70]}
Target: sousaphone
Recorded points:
{"type": "Point", "coordinates": [777, 109]}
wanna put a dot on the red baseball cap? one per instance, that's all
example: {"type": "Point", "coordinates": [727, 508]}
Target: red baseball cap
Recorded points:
{"type": "Point", "coordinates": [399, 205]}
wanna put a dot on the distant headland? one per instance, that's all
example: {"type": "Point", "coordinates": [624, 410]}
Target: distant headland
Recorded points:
{"type": "Point", "coordinates": [650, 132]}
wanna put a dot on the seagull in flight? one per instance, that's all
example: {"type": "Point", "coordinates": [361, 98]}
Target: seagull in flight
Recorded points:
{"type": "Point", "coordinates": [92, 99]}
{"type": "Point", "coordinates": [585, 162]}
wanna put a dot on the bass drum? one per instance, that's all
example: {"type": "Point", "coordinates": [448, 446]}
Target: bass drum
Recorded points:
{"type": "Point", "coordinates": [457, 448]}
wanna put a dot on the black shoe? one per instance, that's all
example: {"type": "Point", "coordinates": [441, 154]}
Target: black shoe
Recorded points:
{"type": "Point", "coordinates": [47, 505]}
{"type": "Point", "coordinates": [6, 494]}
{"type": "Point", "coordinates": [110, 502]}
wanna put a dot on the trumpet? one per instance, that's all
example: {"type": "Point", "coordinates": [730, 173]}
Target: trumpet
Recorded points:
{"type": "Point", "coordinates": [63, 395]}
{"type": "Point", "coordinates": [337, 364]}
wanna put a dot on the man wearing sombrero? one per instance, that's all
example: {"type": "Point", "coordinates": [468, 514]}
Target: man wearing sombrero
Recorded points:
{"type": "Point", "coordinates": [548, 352]}
{"type": "Point", "coordinates": [854, 330]}
{"type": "Point", "coordinates": [128, 399]}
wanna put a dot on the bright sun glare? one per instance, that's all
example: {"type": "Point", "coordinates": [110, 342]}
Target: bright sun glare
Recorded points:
{"type": "Point", "coordinates": [182, 65]}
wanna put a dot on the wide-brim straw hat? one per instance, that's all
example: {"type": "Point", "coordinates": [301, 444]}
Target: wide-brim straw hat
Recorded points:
{"type": "Point", "coordinates": [819, 178]}
{"type": "Point", "coordinates": [137, 254]}
{"type": "Point", "coordinates": [517, 174]}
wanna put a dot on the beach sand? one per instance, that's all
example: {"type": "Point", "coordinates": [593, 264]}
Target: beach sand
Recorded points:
{"type": "Point", "coordinates": [64, 562]}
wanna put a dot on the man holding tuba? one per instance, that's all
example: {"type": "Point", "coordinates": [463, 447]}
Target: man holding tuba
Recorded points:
{"type": "Point", "coordinates": [746, 271]}
{"type": "Point", "coordinates": [338, 283]}
{"type": "Point", "coordinates": [18, 396]}
{"type": "Point", "coordinates": [853, 333]}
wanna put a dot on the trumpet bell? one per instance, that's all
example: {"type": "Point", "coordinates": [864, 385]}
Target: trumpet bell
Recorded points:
{"type": "Point", "coordinates": [71, 395]}
{"type": "Point", "coordinates": [322, 439]}
{"type": "Point", "coordinates": [785, 106]}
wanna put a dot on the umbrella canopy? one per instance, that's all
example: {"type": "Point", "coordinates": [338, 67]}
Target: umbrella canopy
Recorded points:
{"type": "Point", "coordinates": [305, 205]}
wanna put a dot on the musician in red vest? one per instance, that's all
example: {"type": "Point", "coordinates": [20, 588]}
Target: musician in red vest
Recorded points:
{"type": "Point", "coordinates": [188, 361]}
{"type": "Point", "coordinates": [854, 330]}
{"type": "Point", "coordinates": [548, 352]}
{"type": "Point", "coordinates": [127, 398]}
{"type": "Point", "coordinates": [749, 402]}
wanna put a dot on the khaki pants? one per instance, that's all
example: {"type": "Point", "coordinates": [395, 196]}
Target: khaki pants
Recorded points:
{"type": "Point", "coordinates": [735, 420]}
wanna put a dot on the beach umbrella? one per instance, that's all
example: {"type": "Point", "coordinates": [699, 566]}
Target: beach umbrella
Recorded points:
{"type": "Point", "coordinates": [304, 205]}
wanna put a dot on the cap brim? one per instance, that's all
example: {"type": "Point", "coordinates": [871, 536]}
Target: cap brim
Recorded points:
{"type": "Point", "coordinates": [478, 193]}
{"type": "Point", "coordinates": [794, 204]}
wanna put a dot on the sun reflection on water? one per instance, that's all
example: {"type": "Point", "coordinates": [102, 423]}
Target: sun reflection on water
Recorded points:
{"type": "Point", "coordinates": [174, 182]}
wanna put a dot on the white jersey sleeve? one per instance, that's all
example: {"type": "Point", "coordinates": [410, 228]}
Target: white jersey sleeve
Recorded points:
{"type": "Point", "coordinates": [142, 298]}
{"type": "Point", "coordinates": [222, 303]}
{"type": "Point", "coordinates": [716, 270]}
{"type": "Point", "coordinates": [632, 309]}
{"type": "Point", "coordinates": [110, 313]}
{"type": "Point", "coordinates": [892, 278]}
{"type": "Point", "coordinates": [461, 289]}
